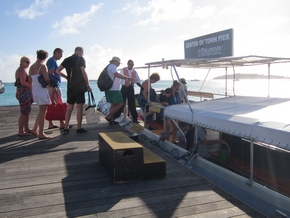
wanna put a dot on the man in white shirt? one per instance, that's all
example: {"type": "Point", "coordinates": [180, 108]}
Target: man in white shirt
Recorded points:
{"type": "Point", "coordinates": [127, 89]}
{"type": "Point", "coordinates": [113, 95]}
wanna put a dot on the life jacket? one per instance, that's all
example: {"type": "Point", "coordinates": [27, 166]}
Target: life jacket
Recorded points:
{"type": "Point", "coordinates": [126, 73]}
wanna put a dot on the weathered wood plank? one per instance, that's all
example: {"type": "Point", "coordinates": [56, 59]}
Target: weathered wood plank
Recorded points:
{"type": "Point", "coordinates": [63, 177]}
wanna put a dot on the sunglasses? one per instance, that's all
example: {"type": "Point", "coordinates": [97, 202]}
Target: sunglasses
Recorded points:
{"type": "Point", "coordinates": [27, 62]}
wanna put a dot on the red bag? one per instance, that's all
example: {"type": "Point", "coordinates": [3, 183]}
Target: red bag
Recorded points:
{"type": "Point", "coordinates": [56, 111]}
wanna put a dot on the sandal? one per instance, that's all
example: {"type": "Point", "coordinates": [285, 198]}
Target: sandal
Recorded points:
{"type": "Point", "coordinates": [69, 126]}
{"type": "Point", "coordinates": [44, 137]}
{"type": "Point", "coordinates": [24, 134]}
{"type": "Point", "coordinates": [111, 122]}
{"type": "Point", "coordinates": [53, 127]}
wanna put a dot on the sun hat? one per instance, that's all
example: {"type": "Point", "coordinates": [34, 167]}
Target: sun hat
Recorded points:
{"type": "Point", "coordinates": [116, 59]}
{"type": "Point", "coordinates": [183, 81]}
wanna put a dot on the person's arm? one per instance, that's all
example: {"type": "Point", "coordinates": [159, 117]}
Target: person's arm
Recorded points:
{"type": "Point", "coordinates": [138, 80]}
{"type": "Point", "coordinates": [58, 71]}
{"type": "Point", "coordinates": [44, 72]}
{"type": "Point", "coordinates": [85, 76]}
{"type": "Point", "coordinates": [50, 66]}
{"type": "Point", "coordinates": [121, 76]}
{"type": "Point", "coordinates": [145, 89]}
{"type": "Point", "coordinates": [22, 77]}
{"type": "Point", "coordinates": [202, 136]}
{"type": "Point", "coordinates": [212, 142]}
{"type": "Point", "coordinates": [163, 100]}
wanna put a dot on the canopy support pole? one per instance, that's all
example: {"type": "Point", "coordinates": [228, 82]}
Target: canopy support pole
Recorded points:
{"type": "Point", "coordinates": [269, 80]}
{"type": "Point", "coordinates": [226, 81]}
{"type": "Point", "coordinates": [250, 181]}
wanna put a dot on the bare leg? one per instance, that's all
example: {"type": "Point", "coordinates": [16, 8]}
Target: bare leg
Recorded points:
{"type": "Point", "coordinates": [79, 115]}
{"type": "Point", "coordinates": [113, 109]}
{"type": "Point", "coordinates": [174, 132]}
{"type": "Point", "coordinates": [146, 124]}
{"type": "Point", "coordinates": [168, 128]}
{"type": "Point", "coordinates": [36, 124]}
{"type": "Point", "coordinates": [21, 124]}
{"type": "Point", "coordinates": [42, 111]}
{"type": "Point", "coordinates": [61, 124]}
{"type": "Point", "coordinates": [69, 110]}
{"type": "Point", "coordinates": [50, 124]}
{"type": "Point", "coordinates": [26, 123]}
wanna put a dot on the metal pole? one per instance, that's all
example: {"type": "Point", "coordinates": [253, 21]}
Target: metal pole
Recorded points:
{"type": "Point", "coordinates": [250, 181]}
{"type": "Point", "coordinates": [268, 80]}
{"type": "Point", "coordinates": [226, 81]}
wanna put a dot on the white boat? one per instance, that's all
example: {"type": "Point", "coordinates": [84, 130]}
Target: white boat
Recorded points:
{"type": "Point", "coordinates": [257, 130]}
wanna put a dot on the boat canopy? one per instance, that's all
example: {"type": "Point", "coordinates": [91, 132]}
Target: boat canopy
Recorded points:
{"type": "Point", "coordinates": [223, 62]}
{"type": "Point", "coordinates": [259, 119]}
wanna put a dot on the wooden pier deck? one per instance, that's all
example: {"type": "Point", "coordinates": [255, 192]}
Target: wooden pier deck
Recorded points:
{"type": "Point", "coordinates": [62, 177]}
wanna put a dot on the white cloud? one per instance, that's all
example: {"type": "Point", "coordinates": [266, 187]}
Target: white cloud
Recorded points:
{"type": "Point", "coordinates": [70, 24]}
{"type": "Point", "coordinates": [172, 10]}
{"type": "Point", "coordinates": [127, 7]}
{"type": "Point", "coordinates": [229, 10]}
{"type": "Point", "coordinates": [204, 12]}
{"type": "Point", "coordinates": [97, 59]}
{"type": "Point", "coordinates": [38, 8]}
{"type": "Point", "coordinates": [9, 64]}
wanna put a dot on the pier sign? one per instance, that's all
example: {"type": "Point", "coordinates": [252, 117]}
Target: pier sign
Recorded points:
{"type": "Point", "coordinates": [214, 45]}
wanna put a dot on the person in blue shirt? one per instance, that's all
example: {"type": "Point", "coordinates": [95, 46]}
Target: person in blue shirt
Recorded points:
{"type": "Point", "coordinates": [52, 66]}
{"type": "Point", "coordinates": [174, 98]}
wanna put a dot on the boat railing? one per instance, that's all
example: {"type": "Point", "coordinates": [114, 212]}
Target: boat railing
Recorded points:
{"type": "Point", "coordinates": [201, 95]}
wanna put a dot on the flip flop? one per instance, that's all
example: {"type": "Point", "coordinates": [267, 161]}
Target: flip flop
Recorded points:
{"type": "Point", "coordinates": [25, 134]}
{"type": "Point", "coordinates": [69, 126]}
{"type": "Point", "coordinates": [53, 127]}
{"type": "Point", "coordinates": [34, 133]}
{"type": "Point", "coordinates": [43, 137]}
{"type": "Point", "coordinates": [111, 122]}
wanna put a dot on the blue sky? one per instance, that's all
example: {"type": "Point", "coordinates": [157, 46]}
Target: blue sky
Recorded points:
{"type": "Point", "coordinates": [144, 31]}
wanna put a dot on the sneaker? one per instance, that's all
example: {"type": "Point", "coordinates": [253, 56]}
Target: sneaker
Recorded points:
{"type": "Point", "coordinates": [81, 130]}
{"type": "Point", "coordinates": [136, 121]}
{"type": "Point", "coordinates": [66, 131]}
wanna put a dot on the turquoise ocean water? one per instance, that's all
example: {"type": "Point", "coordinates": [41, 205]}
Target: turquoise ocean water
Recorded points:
{"type": "Point", "coordinates": [259, 87]}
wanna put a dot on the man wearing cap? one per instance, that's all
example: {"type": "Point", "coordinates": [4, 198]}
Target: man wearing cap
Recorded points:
{"type": "Point", "coordinates": [183, 83]}
{"type": "Point", "coordinates": [114, 95]}
{"type": "Point", "coordinates": [127, 89]}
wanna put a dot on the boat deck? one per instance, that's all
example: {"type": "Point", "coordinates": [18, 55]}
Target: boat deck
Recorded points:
{"type": "Point", "coordinates": [62, 177]}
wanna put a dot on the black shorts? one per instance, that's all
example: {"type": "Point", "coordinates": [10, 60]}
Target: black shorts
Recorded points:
{"type": "Point", "coordinates": [74, 97]}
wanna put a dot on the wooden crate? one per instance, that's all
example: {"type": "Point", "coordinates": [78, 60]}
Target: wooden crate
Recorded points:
{"type": "Point", "coordinates": [126, 160]}
{"type": "Point", "coordinates": [121, 156]}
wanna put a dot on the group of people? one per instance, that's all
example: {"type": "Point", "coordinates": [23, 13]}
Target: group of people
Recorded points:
{"type": "Point", "coordinates": [176, 94]}
{"type": "Point", "coordinates": [30, 90]}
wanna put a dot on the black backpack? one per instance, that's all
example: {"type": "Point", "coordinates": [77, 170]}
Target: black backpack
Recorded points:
{"type": "Point", "coordinates": [104, 81]}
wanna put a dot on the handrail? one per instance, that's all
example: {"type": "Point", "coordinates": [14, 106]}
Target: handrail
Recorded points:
{"type": "Point", "coordinates": [227, 146]}
{"type": "Point", "coordinates": [200, 94]}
